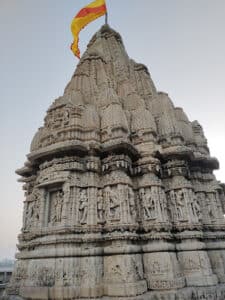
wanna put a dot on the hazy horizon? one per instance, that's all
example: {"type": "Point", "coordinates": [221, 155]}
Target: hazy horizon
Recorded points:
{"type": "Point", "coordinates": [181, 42]}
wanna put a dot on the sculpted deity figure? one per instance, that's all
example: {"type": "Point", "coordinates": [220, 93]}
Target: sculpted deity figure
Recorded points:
{"type": "Point", "coordinates": [37, 210]}
{"type": "Point", "coordinates": [152, 207]}
{"type": "Point", "coordinates": [145, 205]}
{"type": "Point", "coordinates": [83, 207]}
{"type": "Point", "coordinates": [218, 200]}
{"type": "Point", "coordinates": [114, 205]}
{"type": "Point", "coordinates": [131, 199]}
{"type": "Point", "coordinates": [58, 203]}
{"type": "Point", "coordinates": [196, 208]}
{"type": "Point", "coordinates": [33, 209]}
{"type": "Point", "coordinates": [149, 205]}
{"type": "Point", "coordinates": [172, 206]}
{"type": "Point", "coordinates": [163, 205]}
{"type": "Point", "coordinates": [66, 117]}
{"type": "Point", "coordinates": [29, 215]}
{"type": "Point", "coordinates": [180, 205]}
{"type": "Point", "coordinates": [100, 206]}
{"type": "Point", "coordinates": [158, 202]}
{"type": "Point", "coordinates": [210, 210]}
{"type": "Point", "coordinates": [57, 119]}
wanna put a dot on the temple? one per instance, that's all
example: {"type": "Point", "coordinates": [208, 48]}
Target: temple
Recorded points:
{"type": "Point", "coordinates": [120, 198]}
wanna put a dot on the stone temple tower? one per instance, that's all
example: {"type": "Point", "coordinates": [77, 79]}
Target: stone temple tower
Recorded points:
{"type": "Point", "coordinates": [121, 201]}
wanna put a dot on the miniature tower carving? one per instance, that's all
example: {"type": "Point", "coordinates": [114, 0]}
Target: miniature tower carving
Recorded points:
{"type": "Point", "coordinates": [121, 201]}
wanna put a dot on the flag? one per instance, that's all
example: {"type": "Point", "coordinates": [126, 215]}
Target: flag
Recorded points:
{"type": "Point", "coordinates": [86, 15]}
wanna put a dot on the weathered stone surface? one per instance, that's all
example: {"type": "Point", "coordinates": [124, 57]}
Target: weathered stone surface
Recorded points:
{"type": "Point", "coordinates": [121, 201]}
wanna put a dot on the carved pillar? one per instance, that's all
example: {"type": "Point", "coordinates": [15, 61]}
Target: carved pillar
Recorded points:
{"type": "Point", "coordinates": [186, 215]}
{"type": "Point", "coordinates": [43, 196]}
{"type": "Point", "coordinates": [47, 209]}
{"type": "Point", "coordinates": [162, 269]}
{"type": "Point", "coordinates": [123, 268]}
{"type": "Point", "coordinates": [119, 195]}
{"type": "Point", "coordinates": [25, 210]}
{"type": "Point", "coordinates": [90, 272]}
{"type": "Point", "coordinates": [92, 203]}
{"type": "Point", "coordinates": [65, 206]}
{"type": "Point", "coordinates": [207, 191]}
{"type": "Point", "coordinates": [195, 262]}
{"type": "Point", "coordinates": [152, 199]}
{"type": "Point", "coordinates": [83, 207]}
{"type": "Point", "coordinates": [123, 272]}
{"type": "Point", "coordinates": [18, 278]}
{"type": "Point", "coordinates": [75, 194]}
{"type": "Point", "coordinates": [217, 258]}
{"type": "Point", "coordinates": [222, 195]}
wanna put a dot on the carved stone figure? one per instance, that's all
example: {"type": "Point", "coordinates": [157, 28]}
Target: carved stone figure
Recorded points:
{"type": "Point", "coordinates": [149, 205]}
{"type": "Point", "coordinates": [83, 207]}
{"type": "Point", "coordinates": [210, 208]}
{"type": "Point", "coordinates": [57, 199]}
{"type": "Point", "coordinates": [66, 117]}
{"type": "Point", "coordinates": [100, 206]}
{"type": "Point", "coordinates": [172, 205]}
{"type": "Point", "coordinates": [114, 205]}
{"type": "Point", "coordinates": [131, 201]}
{"type": "Point", "coordinates": [180, 206]}
{"type": "Point", "coordinates": [30, 214]}
{"type": "Point", "coordinates": [58, 206]}
{"type": "Point", "coordinates": [163, 205]}
{"type": "Point", "coordinates": [145, 204]}
{"type": "Point", "coordinates": [196, 209]}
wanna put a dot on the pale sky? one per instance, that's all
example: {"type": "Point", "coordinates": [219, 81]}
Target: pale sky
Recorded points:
{"type": "Point", "coordinates": [182, 42]}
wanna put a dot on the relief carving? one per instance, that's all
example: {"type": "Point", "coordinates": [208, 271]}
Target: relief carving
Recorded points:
{"type": "Point", "coordinates": [19, 275]}
{"type": "Point", "coordinates": [100, 207]}
{"type": "Point", "coordinates": [159, 268]}
{"type": "Point", "coordinates": [66, 117]}
{"type": "Point", "coordinates": [114, 204]}
{"type": "Point", "coordinates": [83, 207]}
{"type": "Point", "coordinates": [163, 205]}
{"type": "Point", "coordinates": [45, 277]}
{"type": "Point", "coordinates": [29, 215]}
{"type": "Point", "coordinates": [131, 203]}
{"type": "Point", "coordinates": [195, 208]}
{"type": "Point", "coordinates": [180, 206]}
{"type": "Point", "coordinates": [149, 205]}
{"type": "Point", "coordinates": [218, 206]}
{"type": "Point", "coordinates": [57, 204]}
{"type": "Point", "coordinates": [154, 204]}
{"type": "Point", "coordinates": [178, 210]}
{"type": "Point", "coordinates": [32, 211]}
{"type": "Point", "coordinates": [210, 207]}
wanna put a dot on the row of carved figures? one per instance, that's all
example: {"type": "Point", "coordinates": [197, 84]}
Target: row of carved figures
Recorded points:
{"type": "Point", "coordinates": [120, 204]}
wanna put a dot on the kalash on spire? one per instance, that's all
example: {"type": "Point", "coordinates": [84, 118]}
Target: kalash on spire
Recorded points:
{"type": "Point", "coordinates": [121, 201]}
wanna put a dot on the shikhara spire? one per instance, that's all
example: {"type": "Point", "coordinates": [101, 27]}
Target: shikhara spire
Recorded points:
{"type": "Point", "coordinates": [121, 201]}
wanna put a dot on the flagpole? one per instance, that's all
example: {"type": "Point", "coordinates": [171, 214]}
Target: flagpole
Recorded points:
{"type": "Point", "coordinates": [106, 18]}
{"type": "Point", "coordinates": [106, 15]}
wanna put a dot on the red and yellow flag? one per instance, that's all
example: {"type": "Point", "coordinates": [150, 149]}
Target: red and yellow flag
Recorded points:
{"type": "Point", "coordinates": [86, 15]}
